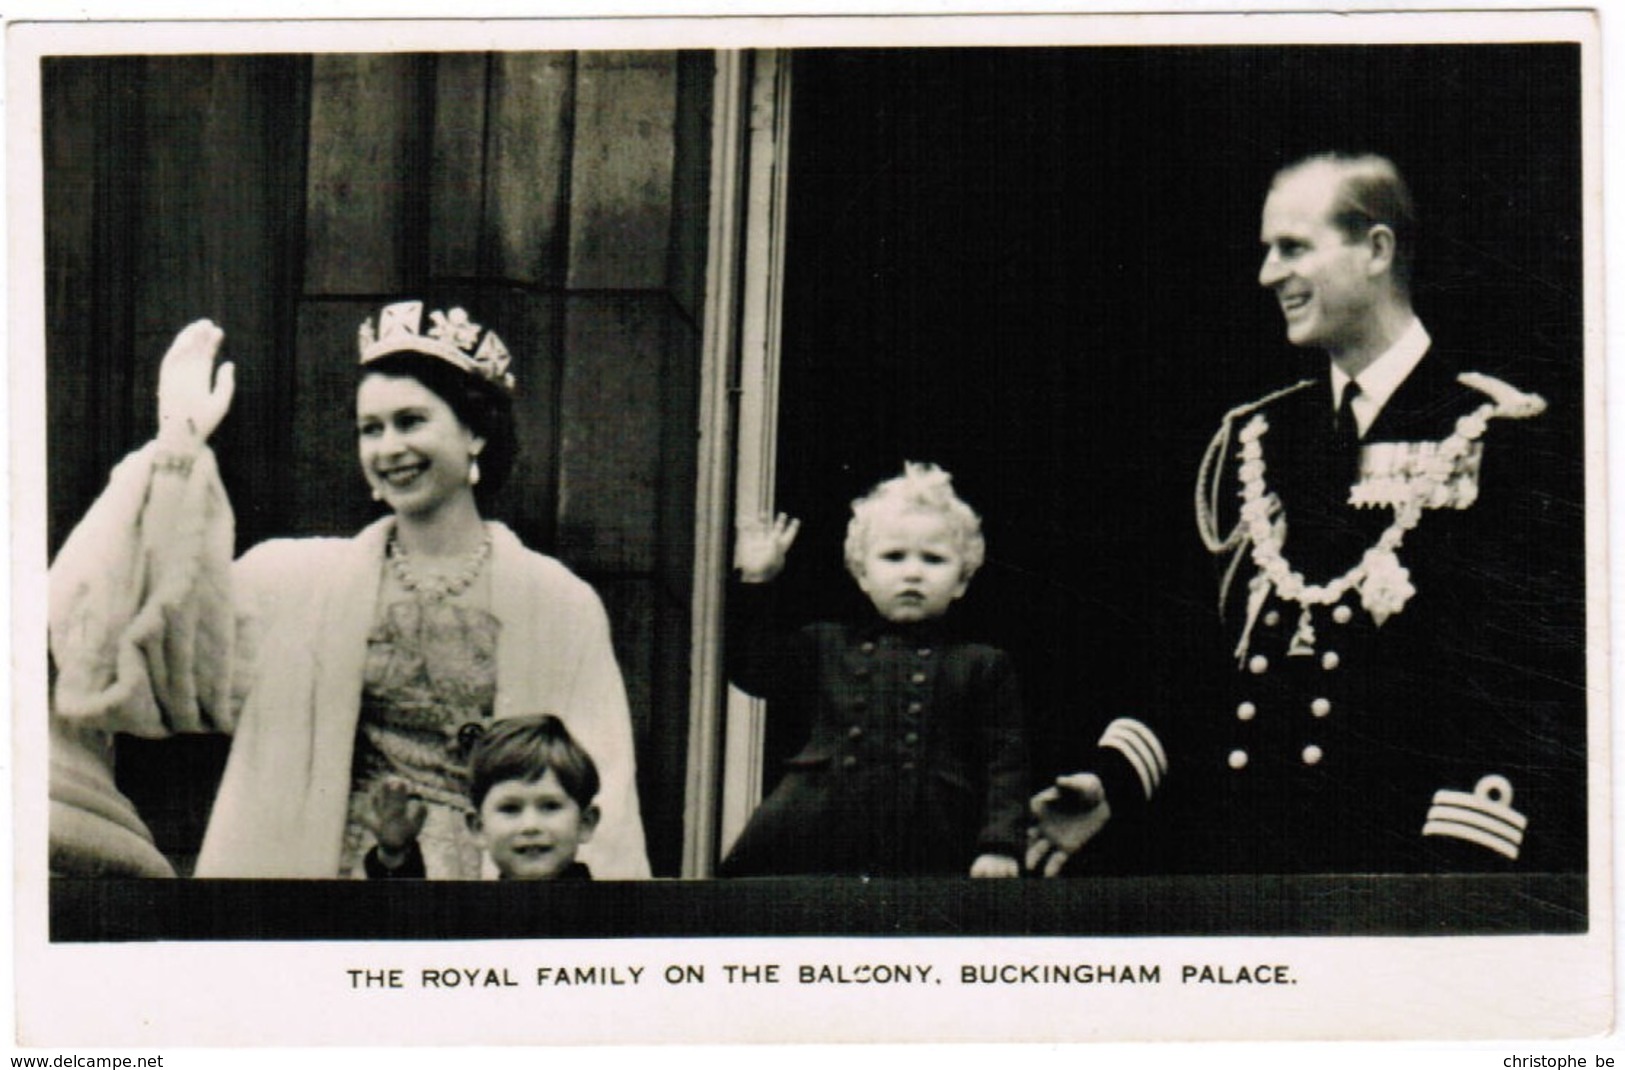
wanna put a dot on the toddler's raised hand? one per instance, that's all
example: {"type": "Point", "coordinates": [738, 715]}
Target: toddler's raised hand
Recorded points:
{"type": "Point", "coordinates": [762, 546]}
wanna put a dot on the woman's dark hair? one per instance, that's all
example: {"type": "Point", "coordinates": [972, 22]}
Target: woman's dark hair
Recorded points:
{"type": "Point", "coordinates": [483, 407]}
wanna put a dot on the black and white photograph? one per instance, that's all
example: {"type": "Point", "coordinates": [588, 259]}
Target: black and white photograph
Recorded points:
{"type": "Point", "coordinates": [971, 528]}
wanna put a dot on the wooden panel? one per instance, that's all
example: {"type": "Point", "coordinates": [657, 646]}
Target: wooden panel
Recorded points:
{"type": "Point", "coordinates": [367, 215]}
{"type": "Point", "coordinates": [609, 448]}
{"type": "Point", "coordinates": [330, 495]}
{"type": "Point", "coordinates": [213, 239]}
{"type": "Point", "coordinates": [90, 115]}
{"type": "Point", "coordinates": [654, 662]}
{"type": "Point", "coordinates": [630, 605]}
{"type": "Point", "coordinates": [663, 757]}
{"type": "Point", "coordinates": [679, 456]}
{"type": "Point", "coordinates": [172, 283]}
{"type": "Point", "coordinates": [528, 160]}
{"type": "Point", "coordinates": [691, 195]}
{"type": "Point", "coordinates": [621, 170]}
{"type": "Point", "coordinates": [457, 186]}
{"type": "Point", "coordinates": [529, 325]}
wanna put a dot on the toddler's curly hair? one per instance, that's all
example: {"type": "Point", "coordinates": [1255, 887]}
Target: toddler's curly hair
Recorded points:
{"type": "Point", "coordinates": [923, 487]}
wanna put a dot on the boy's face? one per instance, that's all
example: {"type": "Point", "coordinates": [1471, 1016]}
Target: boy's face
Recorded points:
{"type": "Point", "coordinates": [912, 567]}
{"type": "Point", "coordinates": [532, 828]}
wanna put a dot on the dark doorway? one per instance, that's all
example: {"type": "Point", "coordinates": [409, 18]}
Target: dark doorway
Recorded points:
{"type": "Point", "coordinates": [1037, 268]}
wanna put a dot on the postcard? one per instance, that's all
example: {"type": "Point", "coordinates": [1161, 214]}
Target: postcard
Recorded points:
{"type": "Point", "coordinates": [968, 528]}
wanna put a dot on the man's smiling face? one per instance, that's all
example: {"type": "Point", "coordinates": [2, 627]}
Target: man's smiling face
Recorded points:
{"type": "Point", "coordinates": [1323, 279]}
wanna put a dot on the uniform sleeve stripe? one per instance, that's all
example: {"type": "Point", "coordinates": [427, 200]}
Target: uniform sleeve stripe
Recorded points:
{"type": "Point", "coordinates": [1147, 739]}
{"type": "Point", "coordinates": [1467, 832]}
{"type": "Point", "coordinates": [1139, 745]}
{"type": "Point", "coordinates": [1464, 800]}
{"type": "Point", "coordinates": [1151, 740]}
{"type": "Point", "coordinates": [1134, 759]}
{"type": "Point", "coordinates": [1492, 823]}
{"type": "Point", "coordinates": [1127, 740]}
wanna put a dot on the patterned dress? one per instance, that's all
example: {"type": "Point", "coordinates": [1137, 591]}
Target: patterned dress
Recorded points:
{"type": "Point", "coordinates": [428, 693]}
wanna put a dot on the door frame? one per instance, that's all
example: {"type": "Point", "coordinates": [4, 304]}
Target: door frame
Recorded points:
{"type": "Point", "coordinates": [738, 428]}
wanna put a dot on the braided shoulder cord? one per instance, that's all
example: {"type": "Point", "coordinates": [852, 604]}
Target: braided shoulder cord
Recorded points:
{"type": "Point", "coordinates": [1210, 479]}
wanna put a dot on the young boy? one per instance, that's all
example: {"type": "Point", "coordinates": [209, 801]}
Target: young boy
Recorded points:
{"type": "Point", "coordinates": [916, 762]}
{"type": "Point", "coordinates": [532, 787]}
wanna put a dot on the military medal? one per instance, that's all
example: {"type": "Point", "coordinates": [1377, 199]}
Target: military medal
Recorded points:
{"type": "Point", "coordinates": [1389, 470]}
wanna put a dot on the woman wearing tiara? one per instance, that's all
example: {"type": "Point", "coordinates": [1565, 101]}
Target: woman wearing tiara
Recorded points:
{"type": "Point", "coordinates": [334, 662]}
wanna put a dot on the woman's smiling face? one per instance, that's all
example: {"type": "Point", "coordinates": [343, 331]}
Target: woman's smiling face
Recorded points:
{"type": "Point", "coordinates": [414, 450]}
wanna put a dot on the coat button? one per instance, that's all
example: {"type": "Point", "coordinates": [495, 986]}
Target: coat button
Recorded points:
{"type": "Point", "coordinates": [1320, 707]}
{"type": "Point", "coordinates": [1238, 759]}
{"type": "Point", "coordinates": [1246, 711]}
{"type": "Point", "coordinates": [918, 678]}
{"type": "Point", "coordinates": [849, 761]}
{"type": "Point", "coordinates": [1271, 619]}
{"type": "Point", "coordinates": [867, 648]}
{"type": "Point", "coordinates": [908, 767]}
{"type": "Point", "coordinates": [855, 732]}
{"type": "Point", "coordinates": [1312, 755]}
{"type": "Point", "coordinates": [911, 738]}
{"type": "Point", "coordinates": [925, 651]}
{"type": "Point", "coordinates": [1258, 664]}
{"type": "Point", "coordinates": [1330, 660]}
{"type": "Point", "coordinates": [1342, 614]}
{"type": "Point", "coordinates": [861, 671]}
{"type": "Point", "coordinates": [915, 707]}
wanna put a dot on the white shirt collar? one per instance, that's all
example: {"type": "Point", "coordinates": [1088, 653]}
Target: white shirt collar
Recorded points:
{"type": "Point", "coordinates": [1382, 376]}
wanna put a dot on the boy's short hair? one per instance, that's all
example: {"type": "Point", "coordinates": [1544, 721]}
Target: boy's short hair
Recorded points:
{"type": "Point", "coordinates": [524, 749]}
{"type": "Point", "coordinates": [923, 487]}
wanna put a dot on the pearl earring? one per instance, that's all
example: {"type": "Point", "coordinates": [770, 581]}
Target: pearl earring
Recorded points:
{"type": "Point", "coordinates": [377, 495]}
{"type": "Point", "coordinates": [473, 471]}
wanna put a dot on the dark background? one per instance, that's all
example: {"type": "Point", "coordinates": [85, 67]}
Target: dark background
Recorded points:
{"type": "Point", "coordinates": [1038, 268]}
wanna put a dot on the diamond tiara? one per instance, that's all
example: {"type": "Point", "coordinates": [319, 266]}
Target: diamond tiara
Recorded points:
{"type": "Point", "coordinates": [451, 336]}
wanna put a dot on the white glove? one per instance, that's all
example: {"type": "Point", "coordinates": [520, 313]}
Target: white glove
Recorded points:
{"type": "Point", "coordinates": [190, 407]}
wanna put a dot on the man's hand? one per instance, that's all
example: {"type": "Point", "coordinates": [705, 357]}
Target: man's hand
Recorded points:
{"type": "Point", "coordinates": [1070, 813]}
{"type": "Point", "coordinates": [995, 866]}
{"type": "Point", "coordinates": [192, 399]}
{"type": "Point", "coordinates": [394, 815]}
{"type": "Point", "coordinates": [761, 547]}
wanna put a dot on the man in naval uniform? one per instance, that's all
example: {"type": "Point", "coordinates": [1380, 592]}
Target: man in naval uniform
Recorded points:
{"type": "Point", "coordinates": [1385, 698]}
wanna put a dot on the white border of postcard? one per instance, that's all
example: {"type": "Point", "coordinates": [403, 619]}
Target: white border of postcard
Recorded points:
{"type": "Point", "coordinates": [231, 994]}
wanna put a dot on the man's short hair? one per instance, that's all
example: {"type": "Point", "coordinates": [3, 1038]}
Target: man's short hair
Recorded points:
{"type": "Point", "coordinates": [1370, 191]}
{"type": "Point", "coordinates": [524, 749]}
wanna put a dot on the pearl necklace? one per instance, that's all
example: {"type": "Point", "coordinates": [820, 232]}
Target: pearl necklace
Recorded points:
{"type": "Point", "coordinates": [437, 588]}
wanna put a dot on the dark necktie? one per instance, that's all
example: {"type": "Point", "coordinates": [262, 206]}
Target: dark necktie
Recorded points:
{"type": "Point", "coordinates": [1344, 425]}
{"type": "Point", "coordinates": [1346, 431]}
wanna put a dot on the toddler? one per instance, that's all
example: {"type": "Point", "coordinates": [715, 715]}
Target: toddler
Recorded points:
{"type": "Point", "coordinates": [916, 762]}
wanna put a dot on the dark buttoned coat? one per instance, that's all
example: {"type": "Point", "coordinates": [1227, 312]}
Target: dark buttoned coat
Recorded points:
{"type": "Point", "coordinates": [915, 763]}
